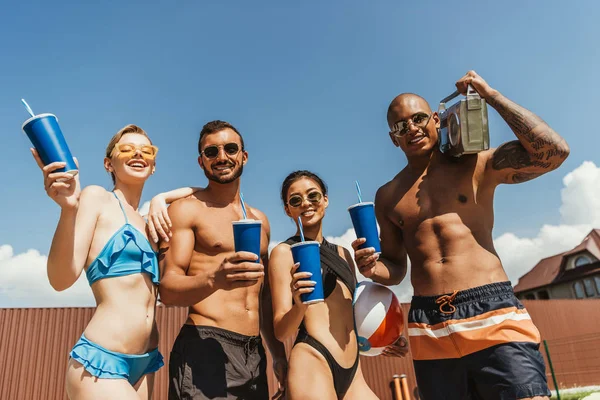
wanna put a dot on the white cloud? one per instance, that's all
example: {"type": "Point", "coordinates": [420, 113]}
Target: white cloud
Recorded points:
{"type": "Point", "coordinates": [580, 212]}
{"type": "Point", "coordinates": [24, 283]}
{"type": "Point", "coordinates": [581, 196]}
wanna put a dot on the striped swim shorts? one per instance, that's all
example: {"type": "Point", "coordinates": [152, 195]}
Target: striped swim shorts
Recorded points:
{"type": "Point", "coordinates": [478, 343]}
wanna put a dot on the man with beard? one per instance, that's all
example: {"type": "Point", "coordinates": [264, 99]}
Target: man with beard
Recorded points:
{"type": "Point", "coordinates": [218, 353]}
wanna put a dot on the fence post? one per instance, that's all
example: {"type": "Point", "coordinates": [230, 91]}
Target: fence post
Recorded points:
{"type": "Point", "coordinates": [552, 370]}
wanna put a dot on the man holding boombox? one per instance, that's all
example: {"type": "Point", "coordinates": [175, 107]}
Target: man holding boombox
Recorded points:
{"type": "Point", "coordinates": [469, 334]}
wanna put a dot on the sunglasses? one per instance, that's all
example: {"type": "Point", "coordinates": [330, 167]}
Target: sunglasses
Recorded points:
{"type": "Point", "coordinates": [231, 149]}
{"type": "Point", "coordinates": [420, 120]}
{"type": "Point", "coordinates": [297, 200]}
{"type": "Point", "coordinates": [127, 149]}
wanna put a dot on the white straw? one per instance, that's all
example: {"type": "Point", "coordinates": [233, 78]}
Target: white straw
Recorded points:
{"type": "Point", "coordinates": [300, 228]}
{"type": "Point", "coordinates": [29, 110]}
{"type": "Point", "coordinates": [243, 206]}
{"type": "Point", "coordinates": [358, 192]}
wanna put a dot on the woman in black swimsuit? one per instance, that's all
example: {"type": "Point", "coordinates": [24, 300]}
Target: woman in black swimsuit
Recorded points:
{"type": "Point", "coordinates": [324, 362]}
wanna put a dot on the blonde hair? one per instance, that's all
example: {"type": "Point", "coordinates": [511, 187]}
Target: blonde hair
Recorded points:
{"type": "Point", "coordinates": [115, 139]}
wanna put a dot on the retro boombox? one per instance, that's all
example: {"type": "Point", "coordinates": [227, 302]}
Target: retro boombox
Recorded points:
{"type": "Point", "coordinates": [464, 125]}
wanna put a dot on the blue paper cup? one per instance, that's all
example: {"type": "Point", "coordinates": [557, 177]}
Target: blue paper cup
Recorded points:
{"type": "Point", "coordinates": [365, 225]}
{"type": "Point", "coordinates": [309, 257]}
{"type": "Point", "coordinates": [246, 236]}
{"type": "Point", "coordinates": [47, 138]}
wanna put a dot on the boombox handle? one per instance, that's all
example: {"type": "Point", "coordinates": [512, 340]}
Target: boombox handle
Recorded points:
{"type": "Point", "coordinates": [470, 92]}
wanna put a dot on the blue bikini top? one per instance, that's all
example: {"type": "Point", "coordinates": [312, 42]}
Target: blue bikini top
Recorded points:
{"type": "Point", "coordinates": [127, 252]}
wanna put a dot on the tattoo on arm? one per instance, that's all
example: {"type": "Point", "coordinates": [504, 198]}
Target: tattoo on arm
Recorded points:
{"type": "Point", "coordinates": [511, 155]}
{"type": "Point", "coordinates": [538, 147]}
{"type": "Point", "coordinates": [523, 177]}
{"type": "Point", "coordinates": [520, 120]}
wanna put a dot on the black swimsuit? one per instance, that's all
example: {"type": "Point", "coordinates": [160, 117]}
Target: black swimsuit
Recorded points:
{"type": "Point", "coordinates": [334, 268]}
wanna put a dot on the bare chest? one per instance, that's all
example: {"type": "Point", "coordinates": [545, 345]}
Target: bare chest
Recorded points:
{"type": "Point", "coordinates": [436, 192]}
{"type": "Point", "coordinates": [214, 232]}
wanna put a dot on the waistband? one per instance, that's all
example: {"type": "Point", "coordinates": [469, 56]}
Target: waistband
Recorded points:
{"type": "Point", "coordinates": [85, 341]}
{"type": "Point", "coordinates": [478, 293]}
{"type": "Point", "coordinates": [219, 333]}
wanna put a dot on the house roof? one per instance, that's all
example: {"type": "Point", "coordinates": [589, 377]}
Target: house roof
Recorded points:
{"type": "Point", "coordinates": [578, 272]}
{"type": "Point", "coordinates": [590, 243]}
{"type": "Point", "coordinates": [551, 269]}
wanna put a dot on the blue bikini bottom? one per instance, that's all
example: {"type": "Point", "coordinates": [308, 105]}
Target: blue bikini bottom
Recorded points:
{"type": "Point", "coordinates": [106, 364]}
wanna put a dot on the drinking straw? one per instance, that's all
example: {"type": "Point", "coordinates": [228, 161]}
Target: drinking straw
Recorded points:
{"type": "Point", "coordinates": [301, 230]}
{"type": "Point", "coordinates": [358, 192]}
{"type": "Point", "coordinates": [29, 110]}
{"type": "Point", "coordinates": [243, 206]}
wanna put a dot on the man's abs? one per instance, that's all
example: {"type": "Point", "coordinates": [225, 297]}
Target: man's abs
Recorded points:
{"type": "Point", "coordinates": [446, 255]}
{"type": "Point", "coordinates": [235, 310]}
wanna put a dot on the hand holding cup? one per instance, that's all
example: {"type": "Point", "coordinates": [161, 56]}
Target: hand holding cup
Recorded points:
{"type": "Point", "coordinates": [62, 187]}
{"type": "Point", "coordinates": [365, 259]}
{"type": "Point", "coordinates": [241, 266]}
{"type": "Point", "coordinates": [300, 283]}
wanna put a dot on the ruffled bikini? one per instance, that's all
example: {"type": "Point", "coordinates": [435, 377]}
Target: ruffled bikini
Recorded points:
{"type": "Point", "coordinates": [127, 252]}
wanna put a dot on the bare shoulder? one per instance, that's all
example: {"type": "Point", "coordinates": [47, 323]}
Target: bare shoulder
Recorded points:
{"type": "Point", "coordinates": [94, 190]}
{"type": "Point", "coordinates": [94, 194]}
{"type": "Point", "coordinates": [260, 215]}
{"type": "Point", "coordinates": [386, 192]}
{"type": "Point", "coordinates": [183, 211]}
{"type": "Point", "coordinates": [280, 252]}
{"type": "Point", "coordinates": [486, 155]}
{"type": "Point", "coordinates": [281, 249]}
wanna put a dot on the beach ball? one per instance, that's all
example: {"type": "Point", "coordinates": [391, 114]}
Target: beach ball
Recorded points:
{"type": "Point", "coordinates": [378, 317]}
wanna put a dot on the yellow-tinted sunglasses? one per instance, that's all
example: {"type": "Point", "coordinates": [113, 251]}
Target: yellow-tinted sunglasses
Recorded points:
{"type": "Point", "coordinates": [148, 151]}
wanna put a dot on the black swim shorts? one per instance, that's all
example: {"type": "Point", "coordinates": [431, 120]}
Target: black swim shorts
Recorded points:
{"type": "Point", "coordinates": [213, 363]}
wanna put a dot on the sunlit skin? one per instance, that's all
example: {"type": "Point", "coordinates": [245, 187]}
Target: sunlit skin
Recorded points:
{"type": "Point", "coordinates": [337, 334]}
{"type": "Point", "coordinates": [438, 210]}
{"type": "Point", "coordinates": [201, 270]}
{"type": "Point", "coordinates": [124, 317]}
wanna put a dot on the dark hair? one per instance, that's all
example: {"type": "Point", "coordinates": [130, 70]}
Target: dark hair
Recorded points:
{"type": "Point", "coordinates": [296, 175]}
{"type": "Point", "coordinates": [216, 126]}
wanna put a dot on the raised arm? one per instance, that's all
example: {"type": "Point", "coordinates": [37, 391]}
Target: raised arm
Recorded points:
{"type": "Point", "coordinates": [159, 223]}
{"type": "Point", "coordinates": [539, 149]}
{"type": "Point", "coordinates": [389, 268]}
{"type": "Point", "coordinates": [73, 238]}
{"type": "Point", "coordinates": [176, 288]}
{"type": "Point", "coordinates": [75, 229]}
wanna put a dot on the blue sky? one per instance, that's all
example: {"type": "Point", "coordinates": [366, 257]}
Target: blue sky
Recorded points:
{"type": "Point", "coordinates": [307, 84]}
